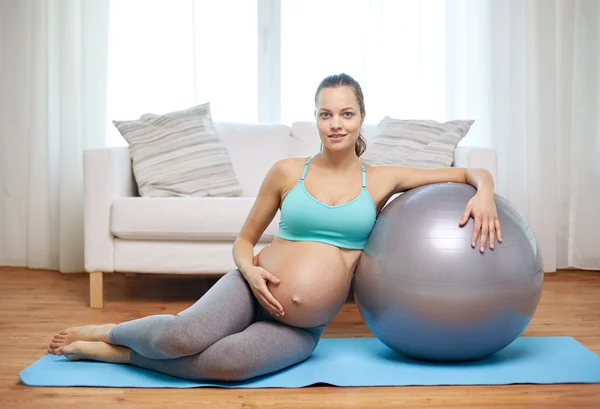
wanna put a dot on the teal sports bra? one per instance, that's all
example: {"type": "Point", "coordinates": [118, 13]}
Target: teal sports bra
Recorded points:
{"type": "Point", "coordinates": [347, 225]}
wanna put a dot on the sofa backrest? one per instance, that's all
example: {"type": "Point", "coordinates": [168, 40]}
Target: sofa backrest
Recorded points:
{"type": "Point", "coordinates": [253, 149]}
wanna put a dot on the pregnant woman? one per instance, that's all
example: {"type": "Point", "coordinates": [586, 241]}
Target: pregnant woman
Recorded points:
{"type": "Point", "coordinates": [269, 313]}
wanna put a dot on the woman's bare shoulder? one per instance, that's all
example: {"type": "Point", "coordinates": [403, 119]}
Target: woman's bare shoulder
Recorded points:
{"type": "Point", "coordinates": [291, 167]}
{"type": "Point", "coordinates": [379, 176]}
{"type": "Point", "coordinates": [375, 170]}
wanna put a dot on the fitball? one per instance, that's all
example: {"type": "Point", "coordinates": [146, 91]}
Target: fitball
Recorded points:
{"type": "Point", "coordinates": [425, 292]}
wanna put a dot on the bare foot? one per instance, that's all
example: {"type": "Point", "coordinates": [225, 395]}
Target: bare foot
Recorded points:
{"type": "Point", "coordinates": [83, 333]}
{"type": "Point", "coordinates": [95, 351]}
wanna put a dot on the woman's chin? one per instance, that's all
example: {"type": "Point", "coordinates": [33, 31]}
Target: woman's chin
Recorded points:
{"type": "Point", "coordinates": [342, 145]}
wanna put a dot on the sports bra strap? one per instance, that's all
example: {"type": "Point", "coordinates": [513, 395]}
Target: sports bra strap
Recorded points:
{"type": "Point", "coordinates": [364, 171]}
{"type": "Point", "coordinates": [306, 167]}
{"type": "Point", "coordinates": [364, 175]}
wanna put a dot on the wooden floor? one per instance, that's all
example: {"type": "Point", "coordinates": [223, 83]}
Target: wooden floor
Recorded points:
{"type": "Point", "coordinates": [36, 304]}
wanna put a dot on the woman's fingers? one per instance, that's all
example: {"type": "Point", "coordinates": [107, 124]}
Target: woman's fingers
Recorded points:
{"type": "Point", "coordinates": [271, 278]}
{"type": "Point", "coordinates": [266, 299]}
{"type": "Point", "coordinates": [492, 229]}
{"type": "Point", "coordinates": [476, 229]}
{"type": "Point", "coordinates": [498, 229]}
{"type": "Point", "coordinates": [271, 309]}
{"type": "Point", "coordinates": [465, 216]}
{"type": "Point", "coordinates": [487, 229]}
{"type": "Point", "coordinates": [271, 301]}
{"type": "Point", "coordinates": [264, 296]}
{"type": "Point", "coordinates": [484, 235]}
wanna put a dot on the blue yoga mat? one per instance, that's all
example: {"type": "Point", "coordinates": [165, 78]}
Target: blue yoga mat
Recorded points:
{"type": "Point", "coordinates": [354, 362]}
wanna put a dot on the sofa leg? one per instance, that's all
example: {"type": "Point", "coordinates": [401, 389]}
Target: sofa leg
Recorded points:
{"type": "Point", "coordinates": [96, 290]}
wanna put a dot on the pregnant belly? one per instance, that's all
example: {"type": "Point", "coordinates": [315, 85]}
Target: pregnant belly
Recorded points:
{"type": "Point", "coordinates": [315, 280]}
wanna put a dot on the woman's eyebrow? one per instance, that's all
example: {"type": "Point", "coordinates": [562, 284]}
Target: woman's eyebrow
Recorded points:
{"type": "Point", "coordinates": [343, 109]}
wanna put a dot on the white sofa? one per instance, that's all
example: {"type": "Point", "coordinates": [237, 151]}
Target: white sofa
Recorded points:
{"type": "Point", "coordinates": [192, 235]}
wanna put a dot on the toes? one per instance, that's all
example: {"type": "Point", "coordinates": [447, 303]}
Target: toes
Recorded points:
{"type": "Point", "coordinates": [71, 351]}
{"type": "Point", "coordinates": [59, 339]}
{"type": "Point", "coordinates": [64, 349]}
{"type": "Point", "coordinates": [55, 345]}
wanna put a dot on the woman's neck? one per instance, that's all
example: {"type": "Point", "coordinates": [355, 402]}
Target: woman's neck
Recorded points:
{"type": "Point", "coordinates": [339, 160]}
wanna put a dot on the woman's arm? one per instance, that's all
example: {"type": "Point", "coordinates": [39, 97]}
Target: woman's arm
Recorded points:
{"type": "Point", "coordinates": [482, 206]}
{"type": "Point", "coordinates": [406, 177]}
{"type": "Point", "coordinates": [261, 215]}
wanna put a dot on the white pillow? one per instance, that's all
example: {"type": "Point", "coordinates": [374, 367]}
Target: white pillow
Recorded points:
{"type": "Point", "coordinates": [411, 142]}
{"type": "Point", "coordinates": [179, 154]}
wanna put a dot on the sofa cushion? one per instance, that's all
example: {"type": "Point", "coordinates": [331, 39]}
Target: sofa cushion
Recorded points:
{"type": "Point", "coordinates": [253, 149]}
{"type": "Point", "coordinates": [179, 154]}
{"type": "Point", "coordinates": [421, 143]}
{"type": "Point", "coordinates": [176, 257]}
{"type": "Point", "coordinates": [183, 218]}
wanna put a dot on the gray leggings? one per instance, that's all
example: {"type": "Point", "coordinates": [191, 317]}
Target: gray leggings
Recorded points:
{"type": "Point", "coordinates": [225, 335]}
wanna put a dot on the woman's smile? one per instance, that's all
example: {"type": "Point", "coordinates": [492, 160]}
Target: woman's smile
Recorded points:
{"type": "Point", "coordinates": [337, 137]}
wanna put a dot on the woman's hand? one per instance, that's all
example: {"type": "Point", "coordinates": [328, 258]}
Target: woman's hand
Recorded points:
{"type": "Point", "coordinates": [483, 209]}
{"type": "Point", "coordinates": [257, 277]}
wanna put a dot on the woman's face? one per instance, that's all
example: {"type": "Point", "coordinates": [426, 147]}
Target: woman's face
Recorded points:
{"type": "Point", "coordinates": [338, 118]}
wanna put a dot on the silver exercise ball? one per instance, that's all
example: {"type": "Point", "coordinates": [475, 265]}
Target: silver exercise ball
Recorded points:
{"type": "Point", "coordinates": [425, 292]}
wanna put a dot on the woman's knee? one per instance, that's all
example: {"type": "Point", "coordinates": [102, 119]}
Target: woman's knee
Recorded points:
{"type": "Point", "coordinates": [235, 276]}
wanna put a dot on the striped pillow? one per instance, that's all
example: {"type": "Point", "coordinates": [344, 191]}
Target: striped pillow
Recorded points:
{"type": "Point", "coordinates": [419, 143]}
{"type": "Point", "coordinates": [179, 154]}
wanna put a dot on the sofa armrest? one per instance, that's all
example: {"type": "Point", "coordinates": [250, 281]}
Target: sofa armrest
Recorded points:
{"type": "Point", "coordinates": [107, 176]}
{"type": "Point", "coordinates": [477, 157]}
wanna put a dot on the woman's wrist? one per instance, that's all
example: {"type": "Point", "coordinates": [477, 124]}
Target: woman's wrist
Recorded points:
{"type": "Point", "coordinates": [487, 191]}
{"type": "Point", "coordinates": [243, 255]}
{"type": "Point", "coordinates": [245, 268]}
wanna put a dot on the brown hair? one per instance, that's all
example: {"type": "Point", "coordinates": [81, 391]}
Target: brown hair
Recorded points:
{"type": "Point", "coordinates": [340, 80]}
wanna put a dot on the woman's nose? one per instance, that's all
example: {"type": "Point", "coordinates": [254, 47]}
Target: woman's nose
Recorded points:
{"type": "Point", "coordinates": [335, 123]}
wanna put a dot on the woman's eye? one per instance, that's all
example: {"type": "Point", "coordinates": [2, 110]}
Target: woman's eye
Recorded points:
{"type": "Point", "coordinates": [346, 114]}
